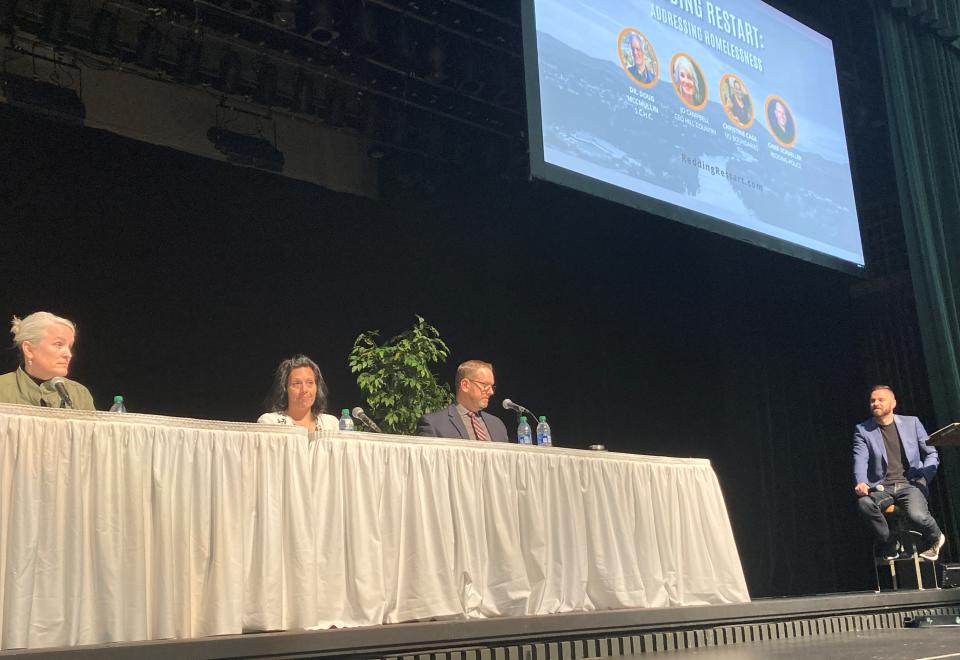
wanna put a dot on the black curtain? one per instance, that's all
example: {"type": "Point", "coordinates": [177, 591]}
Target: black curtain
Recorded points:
{"type": "Point", "coordinates": [920, 57]}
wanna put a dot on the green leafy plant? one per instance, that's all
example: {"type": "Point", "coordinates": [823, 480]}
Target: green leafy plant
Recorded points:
{"type": "Point", "coordinates": [396, 378]}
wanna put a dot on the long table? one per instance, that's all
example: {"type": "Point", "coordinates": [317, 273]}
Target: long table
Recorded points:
{"type": "Point", "coordinates": [122, 527]}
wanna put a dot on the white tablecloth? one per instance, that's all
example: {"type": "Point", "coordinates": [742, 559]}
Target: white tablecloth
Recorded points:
{"type": "Point", "coordinates": [131, 527]}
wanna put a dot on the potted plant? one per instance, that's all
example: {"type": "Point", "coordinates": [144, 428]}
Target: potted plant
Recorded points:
{"type": "Point", "coordinates": [396, 377]}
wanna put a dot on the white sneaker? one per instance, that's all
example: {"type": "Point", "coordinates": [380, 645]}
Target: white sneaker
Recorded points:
{"type": "Point", "coordinates": [933, 552]}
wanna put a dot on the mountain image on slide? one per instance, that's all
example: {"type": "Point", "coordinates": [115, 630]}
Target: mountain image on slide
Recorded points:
{"type": "Point", "coordinates": [590, 113]}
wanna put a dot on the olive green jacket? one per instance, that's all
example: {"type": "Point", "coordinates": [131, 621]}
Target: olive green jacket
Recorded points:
{"type": "Point", "coordinates": [18, 387]}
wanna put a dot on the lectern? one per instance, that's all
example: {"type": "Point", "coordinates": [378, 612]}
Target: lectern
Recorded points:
{"type": "Point", "coordinates": [948, 436]}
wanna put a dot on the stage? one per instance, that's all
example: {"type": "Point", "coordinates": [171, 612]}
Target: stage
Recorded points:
{"type": "Point", "coordinates": [752, 627]}
{"type": "Point", "coordinates": [157, 537]}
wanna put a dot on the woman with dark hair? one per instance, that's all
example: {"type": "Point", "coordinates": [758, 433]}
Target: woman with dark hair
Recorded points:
{"type": "Point", "coordinates": [299, 396]}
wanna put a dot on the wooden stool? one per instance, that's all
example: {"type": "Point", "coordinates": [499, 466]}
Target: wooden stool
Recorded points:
{"type": "Point", "coordinates": [911, 567]}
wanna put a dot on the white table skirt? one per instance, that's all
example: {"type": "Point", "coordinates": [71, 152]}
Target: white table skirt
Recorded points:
{"type": "Point", "coordinates": [131, 527]}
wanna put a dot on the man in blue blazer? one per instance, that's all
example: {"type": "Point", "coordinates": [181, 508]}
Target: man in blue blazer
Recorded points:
{"type": "Point", "coordinates": [892, 464]}
{"type": "Point", "coordinates": [466, 419]}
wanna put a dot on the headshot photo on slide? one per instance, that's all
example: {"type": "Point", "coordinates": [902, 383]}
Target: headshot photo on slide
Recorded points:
{"type": "Point", "coordinates": [780, 120]}
{"type": "Point", "coordinates": [688, 81]}
{"type": "Point", "coordinates": [736, 100]}
{"type": "Point", "coordinates": [638, 57]}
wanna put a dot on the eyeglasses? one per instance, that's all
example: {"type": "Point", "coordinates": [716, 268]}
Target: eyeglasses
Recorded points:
{"type": "Point", "coordinates": [484, 387]}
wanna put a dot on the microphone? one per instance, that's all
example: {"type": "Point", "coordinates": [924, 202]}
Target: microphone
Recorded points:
{"type": "Point", "coordinates": [510, 405]}
{"type": "Point", "coordinates": [58, 385]}
{"type": "Point", "coordinates": [363, 417]}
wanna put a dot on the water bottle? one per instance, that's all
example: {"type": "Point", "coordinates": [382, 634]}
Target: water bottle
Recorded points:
{"type": "Point", "coordinates": [346, 421]}
{"type": "Point", "coordinates": [543, 433]}
{"type": "Point", "coordinates": [118, 404]}
{"type": "Point", "coordinates": [524, 434]}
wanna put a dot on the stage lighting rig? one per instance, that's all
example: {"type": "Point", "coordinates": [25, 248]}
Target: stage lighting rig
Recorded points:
{"type": "Point", "coordinates": [230, 72]}
{"type": "Point", "coordinates": [54, 101]}
{"type": "Point", "coordinates": [103, 32]}
{"type": "Point", "coordinates": [325, 18]}
{"type": "Point", "coordinates": [266, 90]}
{"type": "Point", "coordinates": [149, 41]}
{"type": "Point", "coordinates": [248, 150]}
{"type": "Point", "coordinates": [189, 58]}
{"type": "Point", "coordinates": [449, 63]}
{"type": "Point", "coordinates": [303, 100]}
{"type": "Point", "coordinates": [284, 14]}
{"type": "Point", "coordinates": [8, 14]}
{"type": "Point", "coordinates": [56, 21]}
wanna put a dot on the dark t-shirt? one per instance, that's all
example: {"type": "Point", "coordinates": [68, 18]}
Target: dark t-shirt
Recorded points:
{"type": "Point", "coordinates": [895, 457]}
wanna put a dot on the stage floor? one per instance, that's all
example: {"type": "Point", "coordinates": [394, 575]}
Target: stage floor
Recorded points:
{"type": "Point", "coordinates": [835, 626]}
{"type": "Point", "coordinates": [889, 644]}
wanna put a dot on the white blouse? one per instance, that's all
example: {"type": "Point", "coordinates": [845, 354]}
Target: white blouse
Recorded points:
{"type": "Point", "coordinates": [324, 422]}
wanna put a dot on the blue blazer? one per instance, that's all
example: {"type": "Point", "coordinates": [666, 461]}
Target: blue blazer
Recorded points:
{"type": "Point", "coordinates": [447, 424]}
{"type": "Point", "coordinates": [870, 454]}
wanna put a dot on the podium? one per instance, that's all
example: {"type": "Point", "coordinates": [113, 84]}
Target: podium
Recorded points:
{"type": "Point", "coordinates": [948, 436]}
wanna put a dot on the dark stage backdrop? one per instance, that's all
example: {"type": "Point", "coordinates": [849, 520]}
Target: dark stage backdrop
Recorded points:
{"type": "Point", "coordinates": [190, 280]}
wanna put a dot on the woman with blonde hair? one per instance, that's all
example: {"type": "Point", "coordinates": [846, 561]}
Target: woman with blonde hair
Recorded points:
{"type": "Point", "coordinates": [687, 82]}
{"type": "Point", "coordinates": [45, 342]}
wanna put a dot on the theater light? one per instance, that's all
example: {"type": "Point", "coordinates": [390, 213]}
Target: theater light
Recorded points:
{"type": "Point", "coordinates": [246, 150]}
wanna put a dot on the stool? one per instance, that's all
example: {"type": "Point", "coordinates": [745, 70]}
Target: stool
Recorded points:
{"type": "Point", "coordinates": [913, 571]}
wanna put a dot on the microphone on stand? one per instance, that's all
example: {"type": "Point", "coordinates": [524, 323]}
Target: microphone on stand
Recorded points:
{"type": "Point", "coordinates": [365, 419]}
{"type": "Point", "coordinates": [58, 385]}
{"type": "Point", "coordinates": [510, 405]}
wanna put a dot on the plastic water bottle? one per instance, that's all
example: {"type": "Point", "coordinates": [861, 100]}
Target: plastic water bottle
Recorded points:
{"type": "Point", "coordinates": [524, 434]}
{"type": "Point", "coordinates": [346, 421]}
{"type": "Point", "coordinates": [118, 404]}
{"type": "Point", "coordinates": [543, 433]}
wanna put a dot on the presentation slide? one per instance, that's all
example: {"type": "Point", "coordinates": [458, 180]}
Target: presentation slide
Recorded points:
{"type": "Point", "coordinates": [729, 109]}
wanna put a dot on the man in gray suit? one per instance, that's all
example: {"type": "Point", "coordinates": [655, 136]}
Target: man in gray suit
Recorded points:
{"type": "Point", "coordinates": [466, 419]}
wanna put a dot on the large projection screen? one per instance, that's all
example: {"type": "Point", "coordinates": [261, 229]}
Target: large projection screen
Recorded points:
{"type": "Point", "coordinates": [724, 115]}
